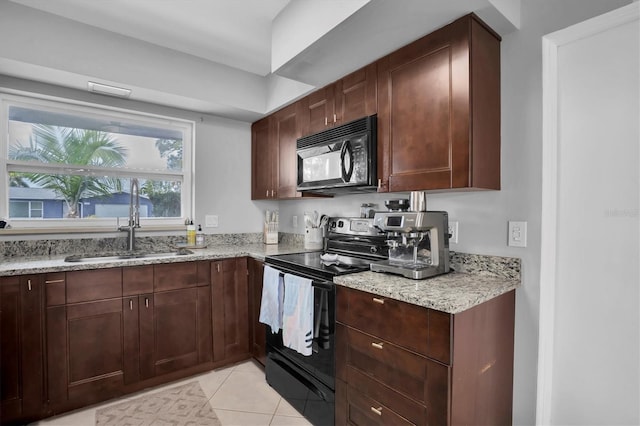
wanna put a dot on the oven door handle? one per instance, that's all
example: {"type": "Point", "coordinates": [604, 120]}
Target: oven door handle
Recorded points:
{"type": "Point", "coordinates": [325, 285]}
{"type": "Point", "coordinates": [306, 382]}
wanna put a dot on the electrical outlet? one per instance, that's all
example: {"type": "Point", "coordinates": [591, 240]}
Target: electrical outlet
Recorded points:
{"type": "Point", "coordinates": [211, 221]}
{"type": "Point", "coordinates": [295, 221]}
{"type": "Point", "coordinates": [517, 234]}
{"type": "Point", "coordinates": [453, 232]}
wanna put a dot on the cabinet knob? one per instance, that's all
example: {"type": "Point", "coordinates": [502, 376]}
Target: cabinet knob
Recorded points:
{"type": "Point", "coordinates": [378, 410]}
{"type": "Point", "coordinates": [377, 300]}
{"type": "Point", "coordinates": [377, 345]}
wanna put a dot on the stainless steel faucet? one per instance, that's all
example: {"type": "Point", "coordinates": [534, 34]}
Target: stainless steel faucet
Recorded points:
{"type": "Point", "coordinates": [134, 215]}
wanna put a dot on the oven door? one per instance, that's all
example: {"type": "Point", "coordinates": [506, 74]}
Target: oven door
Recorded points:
{"type": "Point", "coordinates": [321, 363]}
{"type": "Point", "coordinates": [314, 400]}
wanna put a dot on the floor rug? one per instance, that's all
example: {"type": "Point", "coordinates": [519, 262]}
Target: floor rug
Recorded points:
{"type": "Point", "coordinates": [184, 405]}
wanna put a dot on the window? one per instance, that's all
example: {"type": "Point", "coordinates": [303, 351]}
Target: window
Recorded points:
{"type": "Point", "coordinates": [25, 209]}
{"type": "Point", "coordinates": [71, 164]}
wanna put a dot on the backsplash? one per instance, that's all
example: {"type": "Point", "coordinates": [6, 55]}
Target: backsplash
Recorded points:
{"type": "Point", "coordinates": [59, 247]}
{"type": "Point", "coordinates": [507, 267]}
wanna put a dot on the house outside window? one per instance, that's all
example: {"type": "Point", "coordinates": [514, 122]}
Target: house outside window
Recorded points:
{"type": "Point", "coordinates": [72, 164]}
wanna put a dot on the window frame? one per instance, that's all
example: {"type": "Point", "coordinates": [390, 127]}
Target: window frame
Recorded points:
{"type": "Point", "coordinates": [187, 127]}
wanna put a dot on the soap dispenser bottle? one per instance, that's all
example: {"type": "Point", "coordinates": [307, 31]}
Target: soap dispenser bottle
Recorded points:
{"type": "Point", "coordinates": [199, 237]}
{"type": "Point", "coordinates": [191, 234]}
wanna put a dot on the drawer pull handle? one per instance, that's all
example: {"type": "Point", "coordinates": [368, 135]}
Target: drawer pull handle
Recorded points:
{"type": "Point", "coordinates": [376, 345]}
{"type": "Point", "coordinates": [378, 411]}
{"type": "Point", "coordinates": [377, 300]}
{"type": "Point", "coordinates": [29, 284]}
{"type": "Point", "coordinates": [53, 281]}
{"type": "Point", "coordinates": [146, 302]}
{"type": "Point", "coordinates": [130, 305]}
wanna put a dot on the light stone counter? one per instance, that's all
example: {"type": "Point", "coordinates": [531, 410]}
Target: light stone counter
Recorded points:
{"type": "Point", "coordinates": [452, 293]}
{"type": "Point", "coordinates": [42, 264]}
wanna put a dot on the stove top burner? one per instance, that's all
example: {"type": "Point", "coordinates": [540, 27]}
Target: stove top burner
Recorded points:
{"type": "Point", "coordinates": [312, 262]}
{"type": "Point", "coordinates": [354, 241]}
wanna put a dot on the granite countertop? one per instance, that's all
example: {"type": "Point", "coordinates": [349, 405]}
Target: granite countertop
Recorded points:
{"type": "Point", "coordinates": [451, 293]}
{"type": "Point", "coordinates": [476, 279]}
{"type": "Point", "coordinates": [42, 264]}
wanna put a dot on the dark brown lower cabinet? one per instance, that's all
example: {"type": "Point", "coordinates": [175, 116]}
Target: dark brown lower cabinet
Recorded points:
{"type": "Point", "coordinates": [175, 330]}
{"type": "Point", "coordinates": [107, 343]}
{"type": "Point", "coordinates": [398, 363]}
{"type": "Point", "coordinates": [86, 355]}
{"type": "Point", "coordinates": [85, 340]}
{"type": "Point", "coordinates": [230, 309]}
{"type": "Point", "coordinates": [258, 330]}
{"type": "Point", "coordinates": [21, 343]}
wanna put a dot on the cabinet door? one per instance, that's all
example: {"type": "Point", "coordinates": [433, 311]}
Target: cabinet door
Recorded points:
{"type": "Point", "coordinates": [169, 338]}
{"type": "Point", "coordinates": [428, 93]}
{"type": "Point", "coordinates": [286, 133]}
{"type": "Point", "coordinates": [356, 95]}
{"type": "Point", "coordinates": [415, 115]}
{"type": "Point", "coordinates": [263, 158]}
{"type": "Point", "coordinates": [257, 329]}
{"type": "Point", "coordinates": [21, 334]}
{"type": "Point", "coordinates": [319, 109]}
{"type": "Point", "coordinates": [85, 352]}
{"type": "Point", "coordinates": [230, 309]}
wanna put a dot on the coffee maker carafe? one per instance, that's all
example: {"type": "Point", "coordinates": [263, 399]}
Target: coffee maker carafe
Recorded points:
{"type": "Point", "coordinates": [418, 243]}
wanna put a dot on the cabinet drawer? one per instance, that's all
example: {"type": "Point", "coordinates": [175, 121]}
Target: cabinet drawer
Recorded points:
{"type": "Point", "coordinates": [137, 280]}
{"type": "Point", "coordinates": [365, 411]}
{"type": "Point", "coordinates": [85, 286]}
{"type": "Point", "coordinates": [403, 406]}
{"type": "Point", "coordinates": [55, 289]}
{"type": "Point", "coordinates": [398, 368]}
{"type": "Point", "coordinates": [173, 276]}
{"type": "Point", "coordinates": [419, 329]}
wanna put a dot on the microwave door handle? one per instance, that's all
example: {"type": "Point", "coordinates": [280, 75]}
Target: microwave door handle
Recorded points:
{"type": "Point", "coordinates": [346, 149]}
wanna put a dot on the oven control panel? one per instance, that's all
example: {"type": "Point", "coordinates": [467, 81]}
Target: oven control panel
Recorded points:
{"type": "Point", "coordinates": [353, 226]}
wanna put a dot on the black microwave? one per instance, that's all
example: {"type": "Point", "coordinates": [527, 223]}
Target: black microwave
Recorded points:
{"type": "Point", "coordinates": [339, 160]}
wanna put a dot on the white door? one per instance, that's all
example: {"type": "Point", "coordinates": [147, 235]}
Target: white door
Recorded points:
{"type": "Point", "coordinates": [589, 317]}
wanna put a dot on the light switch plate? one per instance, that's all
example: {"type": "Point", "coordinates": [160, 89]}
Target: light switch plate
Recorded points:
{"type": "Point", "coordinates": [453, 231]}
{"type": "Point", "coordinates": [517, 234]}
{"type": "Point", "coordinates": [211, 221]}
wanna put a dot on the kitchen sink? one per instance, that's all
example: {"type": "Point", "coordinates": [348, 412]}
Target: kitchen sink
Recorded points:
{"type": "Point", "coordinates": [126, 255]}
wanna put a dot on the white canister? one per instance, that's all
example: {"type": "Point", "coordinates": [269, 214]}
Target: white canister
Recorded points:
{"type": "Point", "coordinates": [313, 238]}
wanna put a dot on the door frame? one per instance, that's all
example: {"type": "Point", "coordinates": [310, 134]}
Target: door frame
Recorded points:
{"type": "Point", "coordinates": [551, 43]}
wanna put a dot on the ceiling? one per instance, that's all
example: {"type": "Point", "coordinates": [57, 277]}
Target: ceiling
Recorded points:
{"type": "Point", "coordinates": [236, 33]}
{"type": "Point", "coordinates": [236, 58]}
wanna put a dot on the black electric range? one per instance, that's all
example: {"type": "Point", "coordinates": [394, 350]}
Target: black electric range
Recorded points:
{"type": "Point", "coordinates": [308, 382]}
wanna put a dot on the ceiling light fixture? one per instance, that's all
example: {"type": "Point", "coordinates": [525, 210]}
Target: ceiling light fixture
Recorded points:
{"type": "Point", "coordinates": [105, 89]}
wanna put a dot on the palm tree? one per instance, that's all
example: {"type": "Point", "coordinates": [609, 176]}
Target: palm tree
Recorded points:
{"type": "Point", "coordinates": [81, 147]}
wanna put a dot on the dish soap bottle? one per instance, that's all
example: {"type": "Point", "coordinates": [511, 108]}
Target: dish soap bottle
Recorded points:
{"type": "Point", "coordinates": [199, 237]}
{"type": "Point", "coordinates": [191, 234]}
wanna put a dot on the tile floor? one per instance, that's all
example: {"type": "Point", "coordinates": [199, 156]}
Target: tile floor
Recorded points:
{"type": "Point", "coordinates": [238, 394]}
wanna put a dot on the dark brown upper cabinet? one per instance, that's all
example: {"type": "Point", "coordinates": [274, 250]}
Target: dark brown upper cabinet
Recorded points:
{"type": "Point", "coordinates": [439, 111]}
{"type": "Point", "coordinates": [350, 98]}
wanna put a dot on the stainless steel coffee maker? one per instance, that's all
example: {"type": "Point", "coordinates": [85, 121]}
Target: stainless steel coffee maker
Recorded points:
{"type": "Point", "coordinates": [418, 243]}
